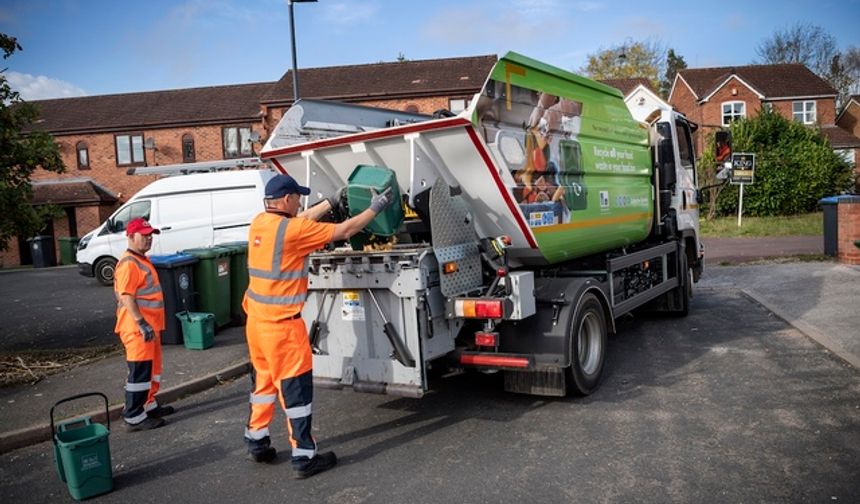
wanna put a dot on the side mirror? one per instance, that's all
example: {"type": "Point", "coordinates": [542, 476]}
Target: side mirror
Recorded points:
{"type": "Point", "coordinates": [666, 163]}
{"type": "Point", "coordinates": [723, 146]}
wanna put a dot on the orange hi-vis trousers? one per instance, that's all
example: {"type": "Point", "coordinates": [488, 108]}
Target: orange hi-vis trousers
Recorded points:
{"type": "Point", "coordinates": [281, 356]}
{"type": "Point", "coordinates": [144, 375]}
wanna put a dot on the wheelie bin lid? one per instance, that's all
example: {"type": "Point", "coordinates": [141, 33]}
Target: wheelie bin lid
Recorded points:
{"type": "Point", "coordinates": [172, 260]}
{"type": "Point", "coordinates": [235, 247]}
{"type": "Point", "coordinates": [208, 252]}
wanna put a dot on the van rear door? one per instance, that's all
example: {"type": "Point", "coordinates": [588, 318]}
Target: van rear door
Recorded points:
{"type": "Point", "coordinates": [185, 221]}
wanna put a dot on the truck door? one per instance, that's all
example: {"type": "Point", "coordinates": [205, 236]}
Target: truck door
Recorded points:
{"type": "Point", "coordinates": [687, 186]}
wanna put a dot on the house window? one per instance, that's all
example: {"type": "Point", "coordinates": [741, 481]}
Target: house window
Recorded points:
{"type": "Point", "coordinates": [188, 155]}
{"type": "Point", "coordinates": [237, 142]}
{"type": "Point", "coordinates": [733, 111]}
{"type": "Point", "coordinates": [803, 111]}
{"type": "Point", "coordinates": [129, 149]}
{"type": "Point", "coordinates": [83, 156]}
{"type": "Point", "coordinates": [767, 106]}
{"type": "Point", "coordinates": [457, 105]}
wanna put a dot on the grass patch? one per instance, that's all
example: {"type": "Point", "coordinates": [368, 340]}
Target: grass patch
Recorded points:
{"type": "Point", "coordinates": [811, 224]}
{"type": "Point", "coordinates": [31, 366]}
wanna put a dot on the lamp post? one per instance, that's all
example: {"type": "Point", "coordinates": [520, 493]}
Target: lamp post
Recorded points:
{"type": "Point", "coordinates": [293, 47]}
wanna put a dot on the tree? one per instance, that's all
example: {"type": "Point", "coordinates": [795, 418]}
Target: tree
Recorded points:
{"type": "Point", "coordinates": [629, 60]}
{"type": "Point", "coordinates": [802, 43]}
{"type": "Point", "coordinates": [795, 167]}
{"type": "Point", "coordinates": [812, 46]}
{"type": "Point", "coordinates": [674, 64]}
{"type": "Point", "coordinates": [21, 152]}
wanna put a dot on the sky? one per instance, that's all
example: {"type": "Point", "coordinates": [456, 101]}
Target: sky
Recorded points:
{"type": "Point", "coordinates": [96, 47]}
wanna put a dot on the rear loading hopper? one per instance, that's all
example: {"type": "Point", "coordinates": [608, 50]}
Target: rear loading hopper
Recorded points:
{"type": "Point", "coordinates": [546, 157]}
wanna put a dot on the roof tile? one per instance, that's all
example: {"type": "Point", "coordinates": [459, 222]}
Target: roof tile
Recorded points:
{"type": "Point", "coordinates": [773, 81]}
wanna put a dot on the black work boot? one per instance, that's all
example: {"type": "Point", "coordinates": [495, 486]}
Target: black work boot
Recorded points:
{"type": "Point", "coordinates": [148, 424]}
{"type": "Point", "coordinates": [161, 411]}
{"type": "Point", "coordinates": [263, 454]}
{"type": "Point", "coordinates": [321, 462]}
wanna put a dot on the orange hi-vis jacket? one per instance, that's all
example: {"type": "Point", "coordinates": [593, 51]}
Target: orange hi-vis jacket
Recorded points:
{"type": "Point", "coordinates": [278, 247]}
{"type": "Point", "coordinates": [136, 276]}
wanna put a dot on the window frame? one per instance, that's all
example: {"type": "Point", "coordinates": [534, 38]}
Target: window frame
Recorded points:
{"type": "Point", "coordinates": [462, 99]}
{"type": "Point", "coordinates": [240, 154]}
{"type": "Point", "coordinates": [734, 116]}
{"type": "Point", "coordinates": [82, 146]}
{"type": "Point", "coordinates": [188, 138]}
{"type": "Point", "coordinates": [131, 137]}
{"type": "Point", "coordinates": [804, 112]}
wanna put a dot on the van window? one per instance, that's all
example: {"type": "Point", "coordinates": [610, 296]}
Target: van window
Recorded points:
{"type": "Point", "coordinates": [129, 212]}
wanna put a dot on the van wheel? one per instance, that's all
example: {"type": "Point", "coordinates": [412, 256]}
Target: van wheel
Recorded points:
{"type": "Point", "coordinates": [104, 269]}
{"type": "Point", "coordinates": [587, 347]}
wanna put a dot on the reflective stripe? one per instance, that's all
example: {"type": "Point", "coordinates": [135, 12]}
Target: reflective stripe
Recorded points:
{"type": "Point", "coordinates": [148, 303]}
{"type": "Point", "coordinates": [151, 406]}
{"type": "Point", "coordinates": [279, 245]}
{"type": "Point", "coordinates": [136, 420]}
{"type": "Point", "coordinates": [149, 290]}
{"type": "Point", "coordinates": [138, 387]}
{"type": "Point", "coordinates": [257, 435]}
{"type": "Point", "coordinates": [299, 411]}
{"type": "Point", "coordinates": [157, 378]}
{"type": "Point", "coordinates": [304, 452]}
{"type": "Point", "coordinates": [277, 300]}
{"type": "Point", "coordinates": [262, 398]}
{"type": "Point", "coordinates": [279, 275]}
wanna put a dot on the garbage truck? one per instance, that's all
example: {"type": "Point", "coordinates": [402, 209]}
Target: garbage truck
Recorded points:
{"type": "Point", "coordinates": [527, 225]}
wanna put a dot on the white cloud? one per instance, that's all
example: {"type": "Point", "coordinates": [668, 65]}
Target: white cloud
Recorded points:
{"type": "Point", "coordinates": [349, 13]}
{"type": "Point", "coordinates": [42, 88]}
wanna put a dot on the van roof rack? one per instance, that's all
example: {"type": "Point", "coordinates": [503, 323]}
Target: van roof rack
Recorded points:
{"type": "Point", "coordinates": [253, 163]}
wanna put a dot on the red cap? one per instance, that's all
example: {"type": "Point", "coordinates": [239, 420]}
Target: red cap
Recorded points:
{"type": "Point", "coordinates": [140, 225]}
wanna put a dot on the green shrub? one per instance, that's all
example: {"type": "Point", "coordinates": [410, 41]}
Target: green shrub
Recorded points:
{"type": "Point", "coordinates": [795, 166]}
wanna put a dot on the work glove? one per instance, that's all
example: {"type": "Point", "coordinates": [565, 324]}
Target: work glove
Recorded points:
{"type": "Point", "coordinates": [381, 201]}
{"type": "Point", "coordinates": [146, 330]}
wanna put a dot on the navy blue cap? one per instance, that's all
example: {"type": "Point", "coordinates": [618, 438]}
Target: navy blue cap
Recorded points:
{"type": "Point", "coordinates": [281, 185]}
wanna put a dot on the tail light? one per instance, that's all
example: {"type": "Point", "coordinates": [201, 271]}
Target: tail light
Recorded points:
{"type": "Point", "coordinates": [486, 339]}
{"type": "Point", "coordinates": [479, 308]}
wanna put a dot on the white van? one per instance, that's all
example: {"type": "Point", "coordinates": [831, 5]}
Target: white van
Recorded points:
{"type": "Point", "coordinates": [197, 210]}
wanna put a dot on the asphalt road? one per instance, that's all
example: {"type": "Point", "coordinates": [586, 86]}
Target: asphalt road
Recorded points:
{"type": "Point", "coordinates": [53, 308]}
{"type": "Point", "coordinates": [727, 405]}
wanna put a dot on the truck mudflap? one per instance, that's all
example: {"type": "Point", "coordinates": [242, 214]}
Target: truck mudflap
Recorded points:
{"type": "Point", "coordinates": [376, 319]}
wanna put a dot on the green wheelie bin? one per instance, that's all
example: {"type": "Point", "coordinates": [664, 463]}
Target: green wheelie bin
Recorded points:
{"type": "Point", "coordinates": [212, 282]}
{"type": "Point", "coordinates": [238, 278]}
{"type": "Point", "coordinates": [68, 249]}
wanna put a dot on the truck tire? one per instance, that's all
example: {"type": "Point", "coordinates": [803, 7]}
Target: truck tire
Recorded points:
{"type": "Point", "coordinates": [104, 270]}
{"type": "Point", "coordinates": [587, 347]}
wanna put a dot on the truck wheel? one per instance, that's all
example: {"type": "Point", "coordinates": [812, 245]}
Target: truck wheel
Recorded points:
{"type": "Point", "coordinates": [587, 347]}
{"type": "Point", "coordinates": [104, 269]}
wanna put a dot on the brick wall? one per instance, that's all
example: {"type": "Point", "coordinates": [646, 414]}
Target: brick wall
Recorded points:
{"type": "Point", "coordinates": [848, 218]}
{"type": "Point", "coordinates": [850, 119]}
{"type": "Point", "coordinates": [825, 110]}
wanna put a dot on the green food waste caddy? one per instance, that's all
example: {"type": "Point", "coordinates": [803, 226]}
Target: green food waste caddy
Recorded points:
{"type": "Point", "coordinates": [82, 453]}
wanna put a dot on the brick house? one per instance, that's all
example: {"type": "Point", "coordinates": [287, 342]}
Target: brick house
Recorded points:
{"type": "Point", "coordinates": [713, 97]}
{"type": "Point", "coordinates": [101, 137]}
{"type": "Point", "coordinates": [848, 121]}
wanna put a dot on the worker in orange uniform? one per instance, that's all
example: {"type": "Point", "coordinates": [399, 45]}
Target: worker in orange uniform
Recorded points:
{"type": "Point", "coordinates": [279, 242]}
{"type": "Point", "coordinates": [139, 322]}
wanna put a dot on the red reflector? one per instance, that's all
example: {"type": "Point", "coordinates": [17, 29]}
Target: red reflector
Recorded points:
{"type": "Point", "coordinates": [494, 361]}
{"type": "Point", "coordinates": [488, 309]}
{"type": "Point", "coordinates": [485, 339]}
